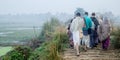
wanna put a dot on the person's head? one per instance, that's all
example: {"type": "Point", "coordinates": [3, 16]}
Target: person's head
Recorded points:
{"type": "Point", "coordinates": [78, 14]}
{"type": "Point", "coordinates": [99, 17]}
{"type": "Point", "coordinates": [106, 20]}
{"type": "Point", "coordinates": [93, 14]}
{"type": "Point", "coordinates": [86, 13]}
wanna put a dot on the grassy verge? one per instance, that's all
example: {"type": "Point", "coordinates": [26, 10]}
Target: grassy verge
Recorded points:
{"type": "Point", "coordinates": [51, 49]}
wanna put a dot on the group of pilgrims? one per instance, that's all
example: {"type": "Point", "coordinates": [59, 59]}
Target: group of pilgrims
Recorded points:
{"type": "Point", "coordinates": [89, 31]}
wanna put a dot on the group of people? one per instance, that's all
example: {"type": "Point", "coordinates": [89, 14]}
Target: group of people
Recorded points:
{"type": "Point", "coordinates": [89, 31]}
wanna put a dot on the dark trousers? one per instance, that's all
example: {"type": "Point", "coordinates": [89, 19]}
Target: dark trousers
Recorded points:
{"type": "Point", "coordinates": [92, 39]}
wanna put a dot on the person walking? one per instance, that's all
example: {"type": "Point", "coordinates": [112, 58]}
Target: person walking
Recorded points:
{"type": "Point", "coordinates": [86, 31]}
{"type": "Point", "coordinates": [69, 33]}
{"type": "Point", "coordinates": [104, 30]}
{"type": "Point", "coordinates": [94, 35]}
{"type": "Point", "coordinates": [76, 26]}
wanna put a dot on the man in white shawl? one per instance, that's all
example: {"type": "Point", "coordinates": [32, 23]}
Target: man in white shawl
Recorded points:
{"type": "Point", "coordinates": [76, 27]}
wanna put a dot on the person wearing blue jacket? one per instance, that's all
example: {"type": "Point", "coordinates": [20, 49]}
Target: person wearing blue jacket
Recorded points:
{"type": "Point", "coordinates": [86, 31]}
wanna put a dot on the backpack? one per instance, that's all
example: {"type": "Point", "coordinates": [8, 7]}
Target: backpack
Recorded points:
{"type": "Point", "coordinates": [95, 21]}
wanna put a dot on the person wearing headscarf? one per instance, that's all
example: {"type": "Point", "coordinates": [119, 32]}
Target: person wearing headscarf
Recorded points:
{"type": "Point", "coordinates": [105, 29]}
{"type": "Point", "coordinates": [106, 33]}
{"type": "Point", "coordinates": [100, 20]}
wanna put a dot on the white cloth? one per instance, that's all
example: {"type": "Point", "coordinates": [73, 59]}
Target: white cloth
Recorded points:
{"type": "Point", "coordinates": [76, 27]}
{"type": "Point", "coordinates": [86, 40]}
{"type": "Point", "coordinates": [77, 24]}
{"type": "Point", "coordinates": [76, 38]}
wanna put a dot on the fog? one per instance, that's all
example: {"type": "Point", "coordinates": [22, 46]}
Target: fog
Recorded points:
{"type": "Point", "coordinates": [54, 6]}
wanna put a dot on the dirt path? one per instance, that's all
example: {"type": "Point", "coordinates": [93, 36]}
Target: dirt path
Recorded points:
{"type": "Point", "coordinates": [91, 54]}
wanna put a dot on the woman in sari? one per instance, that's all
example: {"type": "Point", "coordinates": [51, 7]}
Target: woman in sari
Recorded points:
{"type": "Point", "coordinates": [104, 33]}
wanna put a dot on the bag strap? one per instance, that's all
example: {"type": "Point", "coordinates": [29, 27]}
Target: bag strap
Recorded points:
{"type": "Point", "coordinates": [84, 21]}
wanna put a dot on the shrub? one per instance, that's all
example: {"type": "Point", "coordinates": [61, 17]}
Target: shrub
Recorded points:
{"type": "Point", "coordinates": [51, 49]}
{"type": "Point", "coordinates": [48, 29]}
{"type": "Point", "coordinates": [39, 53]}
{"type": "Point", "coordinates": [19, 53]}
{"type": "Point", "coordinates": [116, 39]}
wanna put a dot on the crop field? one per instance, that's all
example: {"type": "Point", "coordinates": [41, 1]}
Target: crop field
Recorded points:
{"type": "Point", "coordinates": [12, 35]}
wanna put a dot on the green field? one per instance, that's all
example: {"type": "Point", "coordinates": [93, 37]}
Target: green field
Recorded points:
{"type": "Point", "coordinates": [18, 35]}
{"type": "Point", "coordinates": [4, 50]}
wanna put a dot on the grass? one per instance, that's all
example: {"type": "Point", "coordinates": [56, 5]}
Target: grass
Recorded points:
{"type": "Point", "coordinates": [4, 50]}
{"type": "Point", "coordinates": [52, 49]}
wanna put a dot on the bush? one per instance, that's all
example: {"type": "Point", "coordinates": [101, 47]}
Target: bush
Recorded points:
{"type": "Point", "coordinates": [19, 53]}
{"type": "Point", "coordinates": [48, 29]}
{"type": "Point", "coordinates": [51, 49]}
{"type": "Point", "coordinates": [116, 39]}
{"type": "Point", "coordinates": [39, 53]}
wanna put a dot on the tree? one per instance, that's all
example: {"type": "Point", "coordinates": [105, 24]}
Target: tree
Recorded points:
{"type": "Point", "coordinates": [80, 10]}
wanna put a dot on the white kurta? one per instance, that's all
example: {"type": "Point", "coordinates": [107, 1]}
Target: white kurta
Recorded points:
{"type": "Point", "coordinates": [76, 26]}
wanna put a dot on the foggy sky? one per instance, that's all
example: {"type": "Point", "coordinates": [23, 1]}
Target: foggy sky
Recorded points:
{"type": "Point", "coordinates": [54, 6]}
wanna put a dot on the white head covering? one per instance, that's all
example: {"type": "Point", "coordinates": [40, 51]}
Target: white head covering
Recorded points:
{"type": "Point", "coordinates": [99, 18]}
{"type": "Point", "coordinates": [106, 21]}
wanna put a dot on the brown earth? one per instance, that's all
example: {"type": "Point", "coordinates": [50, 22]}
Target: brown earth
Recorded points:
{"type": "Point", "coordinates": [92, 54]}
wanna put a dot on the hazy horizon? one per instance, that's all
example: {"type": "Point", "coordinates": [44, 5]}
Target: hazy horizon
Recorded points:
{"type": "Point", "coordinates": [57, 6]}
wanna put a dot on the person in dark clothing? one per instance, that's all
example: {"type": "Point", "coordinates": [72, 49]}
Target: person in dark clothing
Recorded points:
{"type": "Point", "coordinates": [94, 19]}
{"type": "Point", "coordinates": [69, 33]}
{"type": "Point", "coordinates": [94, 35]}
